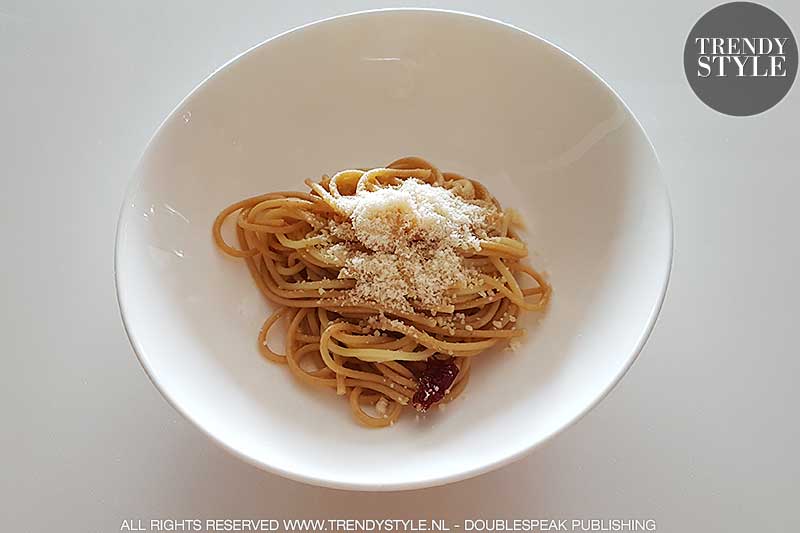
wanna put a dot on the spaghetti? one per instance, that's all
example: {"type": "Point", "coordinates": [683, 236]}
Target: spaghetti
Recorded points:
{"type": "Point", "coordinates": [390, 280]}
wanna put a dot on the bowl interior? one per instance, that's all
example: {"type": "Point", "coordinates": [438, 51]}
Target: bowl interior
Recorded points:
{"type": "Point", "coordinates": [471, 95]}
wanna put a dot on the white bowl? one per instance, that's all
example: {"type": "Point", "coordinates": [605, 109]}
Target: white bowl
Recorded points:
{"type": "Point", "coordinates": [472, 95]}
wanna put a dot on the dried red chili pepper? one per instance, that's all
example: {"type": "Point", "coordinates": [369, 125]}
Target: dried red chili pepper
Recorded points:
{"type": "Point", "coordinates": [433, 383]}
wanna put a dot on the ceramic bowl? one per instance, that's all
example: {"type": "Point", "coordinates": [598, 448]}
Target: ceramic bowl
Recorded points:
{"type": "Point", "coordinates": [545, 133]}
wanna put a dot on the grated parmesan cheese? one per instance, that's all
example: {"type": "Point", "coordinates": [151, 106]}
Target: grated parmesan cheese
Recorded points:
{"type": "Point", "coordinates": [403, 245]}
{"type": "Point", "coordinates": [382, 405]}
{"type": "Point", "coordinates": [384, 218]}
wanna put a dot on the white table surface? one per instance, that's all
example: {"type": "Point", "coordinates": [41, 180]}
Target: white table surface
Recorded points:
{"type": "Point", "coordinates": [701, 435]}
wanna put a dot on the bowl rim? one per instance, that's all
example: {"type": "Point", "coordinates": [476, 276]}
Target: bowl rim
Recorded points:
{"type": "Point", "coordinates": [422, 482]}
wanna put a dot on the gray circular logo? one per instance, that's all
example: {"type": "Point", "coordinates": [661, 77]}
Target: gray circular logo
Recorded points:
{"type": "Point", "coordinates": [740, 58]}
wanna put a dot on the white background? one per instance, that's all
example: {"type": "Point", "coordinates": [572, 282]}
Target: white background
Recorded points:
{"type": "Point", "coordinates": [701, 435]}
